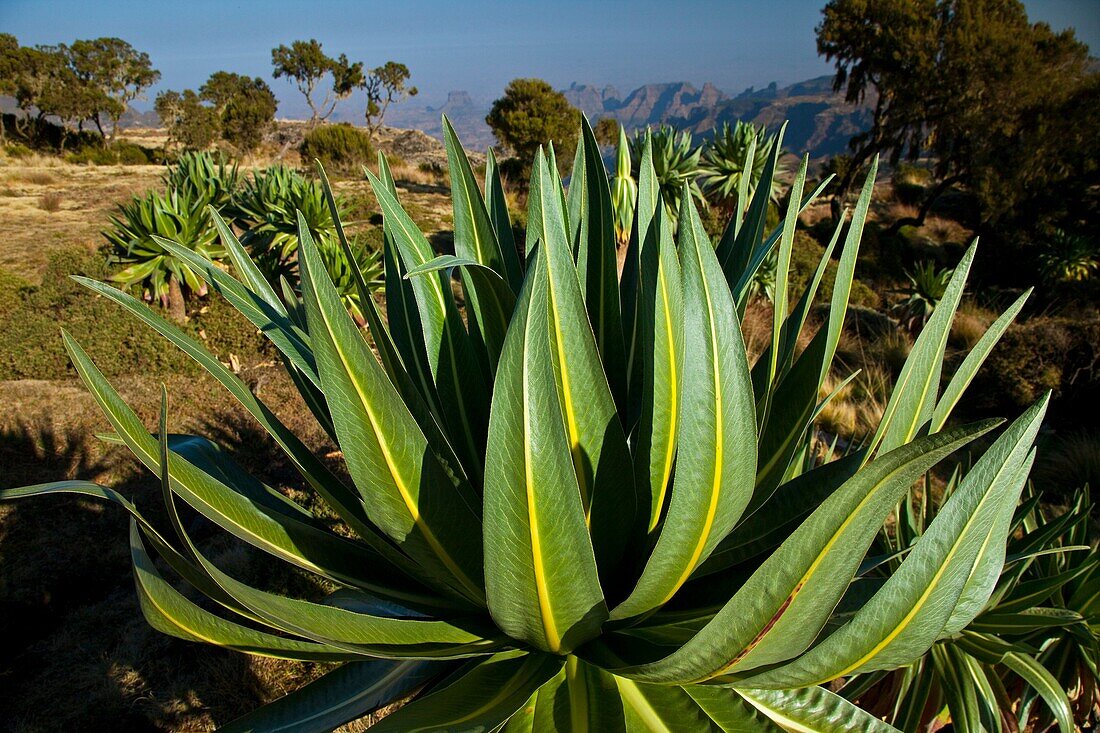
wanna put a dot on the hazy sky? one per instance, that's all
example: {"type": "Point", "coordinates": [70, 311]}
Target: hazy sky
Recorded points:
{"type": "Point", "coordinates": [478, 45]}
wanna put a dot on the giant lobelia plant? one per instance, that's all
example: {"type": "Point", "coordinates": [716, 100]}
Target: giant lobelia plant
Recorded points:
{"type": "Point", "coordinates": [580, 507]}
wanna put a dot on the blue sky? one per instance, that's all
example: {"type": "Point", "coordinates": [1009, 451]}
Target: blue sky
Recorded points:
{"type": "Point", "coordinates": [478, 45]}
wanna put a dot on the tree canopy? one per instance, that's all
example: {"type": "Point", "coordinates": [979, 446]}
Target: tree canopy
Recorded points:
{"type": "Point", "coordinates": [114, 69]}
{"type": "Point", "coordinates": [245, 107]}
{"type": "Point", "coordinates": [86, 81]}
{"type": "Point", "coordinates": [306, 64]}
{"type": "Point", "coordinates": [386, 84]}
{"type": "Point", "coordinates": [532, 113]}
{"type": "Point", "coordinates": [998, 102]}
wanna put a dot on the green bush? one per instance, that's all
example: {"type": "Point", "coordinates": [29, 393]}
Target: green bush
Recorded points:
{"type": "Point", "coordinates": [1056, 353]}
{"type": "Point", "coordinates": [18, 150]}
{"type": "Point", "coordinates": [339, 147]}
{"type": "Point", "coordinates": [31, 318]}
{"type": "Point", "coordinates": [908, 193]}
{"type": "Point", "coordinates": [93, 155]}
{"type": "Point", "coordinates": [134, 154]}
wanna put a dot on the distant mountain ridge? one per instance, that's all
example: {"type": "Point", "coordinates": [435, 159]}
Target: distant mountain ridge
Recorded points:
{"type": "Point", "coordinates": [820, 121]}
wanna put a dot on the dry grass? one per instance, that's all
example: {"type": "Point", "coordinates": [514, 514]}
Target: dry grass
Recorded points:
{"type": "Point", "coordinates": [970, 324]}
{"type": "Point", "coordinates": [31, 230]}
{"type": "Point", "coordinates": [50, 201]}
{"type": "Point", "coordinates": [856, 409]}
{"type": "Point", "coordinates": [757, 327]}
{"type": "Point", "coordinates": [1067, 465]}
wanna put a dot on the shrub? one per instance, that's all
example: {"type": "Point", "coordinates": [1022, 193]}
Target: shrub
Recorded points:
{"type": "Point", "coordinates": [133, 154]}
{"type": "Point", "coordinates": [1045, 353]}
{"type": "Point", "coordinates": [18, 150]}
{"type": "Point", "coordinates": [30, 317]}
{"type": "Point", "coordinates": [339, 147]}
{"type": "Point", "coordinates": [50, 201]}
{"type": "Point", "coordinates": [497, 514]}
{"type": "Point", "coordinates": [93, 155]}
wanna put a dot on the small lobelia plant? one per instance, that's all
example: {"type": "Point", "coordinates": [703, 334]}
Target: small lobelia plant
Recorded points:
{"type": "Point", "coordinates": [204, 177]}
{"type": "Point", "coordinates": [926, 288]}
{"type": "Point", "coordinates": [580, 507]}
{"type": "Point", "coordinates": [736, 157]}
{"type": "Point", "coordinates": [270, 207]}
{"type": "Point", "coordinates": [675, 159]}
{"type": "Point", "coordinates": [998, 671]}
{"type": "Point", "coordinates": [135, 237]}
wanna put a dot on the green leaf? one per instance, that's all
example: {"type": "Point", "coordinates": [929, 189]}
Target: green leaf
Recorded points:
{"type": "Point", "coordinates": [776, 614]}
{"type": "Point", "coordinates": [908, 614]}
{"type": "Point", "coordinates": [597, 444]}
{"type": "Point", "coordinates": [914, 397]}
{"type": "Point", "coordinates": [342, 500]}
{"type": "Point", "coordinates": [496, 301]}
{"type": "Point", "coordinates": [430, 513]}
{"type": "Point", "coordinates": [497, 206]}
{"type": "Point", "coordinates": [649, 199]}
{"type": "Point", "coordinates": [347, 693]}
{"type": "Point", "coordinates": [966, 372]}
{"type": "Point", "coordinates": [475, 240]}
{"type": "Point", "coordinates": [729, 710]}
{"type": "Point", "coordinates": [358, 632]}
{"type": "Point", "coordinates": [1024, 622]}
{"type": "Point", "coordinates": [812, 710]}
{"type": "Point", "coordinates": [169, 612]}
{"type": "Point", "coordinates": [540, 572]}
{"type": "Point", "coordinates": [298, 541]}
{"type": "Point", "coordinates": [715, 465]}
{"type": "Point", "coordinates": [578, 699]}
{"type": "Point", "coordinates": [593, 240]}
{"type": "Point", "coordinates": [182, 565]}
{"type": "Point", "coordinates": [383, 340]}
{"type": "Point", "coordinates": [660, 356]}
{"type": "Point", "coordinates": [291, 342]}
{"type": "Point", "coordinates": [782, 275]}
{"type": "Point", "coordinates": [1044, 683]}
{"type": "Point", "coordinates": [477, 698]}
{"type": "Point", "coordinates": [777, 518]}
{"type": "Point", "coordinates": [661, 709]}
{"type": "Point", "coordinates": [463, 394]}
{"type": "Point", "coordinates": [253, 278]}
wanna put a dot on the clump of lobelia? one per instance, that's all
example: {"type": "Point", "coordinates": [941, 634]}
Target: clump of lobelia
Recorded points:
{"type": "Point", "coordinates": [580, 507]}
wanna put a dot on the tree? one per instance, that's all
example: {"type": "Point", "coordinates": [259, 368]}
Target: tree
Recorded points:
{"type": "Point", "coordinates": [10, 61]}
{"type": "Point", "coordinates": [606, 131]}
{"type": "Point", "coordinates": [385, 85]}
{"type": "Point", "coordinates": [532, 113]}
{"type": "Point", "coordinates": [72, 100]}
{"type": "Point", "coordinates": [191, 124]}
{"type": "Point", "coordinates": [306, 64]}
{"type": "Point", "coordinates": [972, 83]}
{"type": "Point", "coordinates": [245, 107]}
{"type": "Point", "coordinates": [117, 70]}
